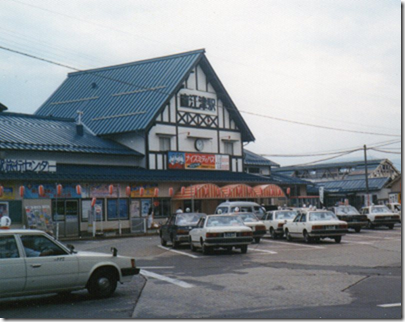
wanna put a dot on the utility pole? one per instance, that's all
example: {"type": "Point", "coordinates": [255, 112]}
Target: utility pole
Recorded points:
{"type": "Point", "coordinates": [366, 172]}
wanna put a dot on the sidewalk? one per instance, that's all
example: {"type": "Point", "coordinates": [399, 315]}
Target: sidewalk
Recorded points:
{"type": "Point", "coordinates": [109, 234]}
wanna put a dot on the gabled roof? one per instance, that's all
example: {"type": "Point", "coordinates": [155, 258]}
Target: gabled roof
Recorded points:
{"type": "Point", "coordinates": [38, 133]}
{"type": "Point", "coordinates": [129, 97]}
{"type": "Point", "coordinates": [251, 158]}
{"type": "Point", "coordinates": [348, 186]}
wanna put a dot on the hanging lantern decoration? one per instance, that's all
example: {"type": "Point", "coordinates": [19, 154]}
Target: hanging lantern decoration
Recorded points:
{"type": "Point", "coordinates": [59, 189]}
{"type": "Point", "coordinates": [79, 189]}
{"type": "Point", "coordinates": [156, 192]}
{"type": "Point", "coordinates": [1, 191]}
{"type": "Point", "coordinates": [288, 191]}
{"type": "Point", "coordinates": [183, 190]}
{"type": "Point", "coordinates": [21, 190]}
{"type": "Point", "coordinates": [41, 190]}
{"type": "Point", "coordinates": [110, 189]}
{"type": "Point", "coordinates": [141, 191]}
{"type": "Point", "coordinates": [93, 201]}
{"type": "Point", "coordinates": [128, 191]}
{"type": "Point", "coordinates": [171, 192]}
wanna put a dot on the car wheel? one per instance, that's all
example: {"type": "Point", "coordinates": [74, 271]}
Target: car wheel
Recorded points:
{"type": "Point", "coordinates": [162, 241]}
{"type": "Point", "coordinates": [390, 226]}
{"type": "Point", "coordinates": [307, 239]}
{"type": "Point", "coordinates": [272, 233]}
{"type": "Point", "coordinates": [243, 249]}
{"type": "Point", "coordinates": [192, 247]}
{"type": "Point", "coordinates": [338, 239]}
{"type": "Point", "coordinates": [357, 229]}
{"type": "Point", "coordinates": [257, 240]}
{"type": "Point", "coordinates": [206, 249]}
{"type": "Point", "coordinates": [287, 235]}
{"type": "Point", "coordinates": [102, 283]}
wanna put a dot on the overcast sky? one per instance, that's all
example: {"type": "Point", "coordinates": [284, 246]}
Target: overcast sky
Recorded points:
{"type": "Point", "coordinates": [333, 63]}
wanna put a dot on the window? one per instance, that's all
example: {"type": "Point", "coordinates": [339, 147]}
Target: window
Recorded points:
{"type": "Point", "coordinates": [164, 143]}
{"type": "Point", "coordinates": [161, 208]}
{"type": "Point", "coordinates": [98, 210]}
{"type": "Point", "coordinates": [8, 247]}
{"type": "Point", "coordinates": [112, 213]}
{"type": "Point", "coordinates": [254, 170]}
{"type": "Point", "coordinates": [35, 246]}
{"type": "Point", "coordinates": [228, 148]}
{"type": "Point", "coordinates": [297, 219]}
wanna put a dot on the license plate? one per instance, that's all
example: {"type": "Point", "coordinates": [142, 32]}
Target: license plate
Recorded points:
{"type": "Point", "coordinates": [230, 235]}
{"type": "Point", "coordinates": [330, 227]}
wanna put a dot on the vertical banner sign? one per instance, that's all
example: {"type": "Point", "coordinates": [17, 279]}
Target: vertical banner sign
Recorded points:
{"type": "Point", "coordinates": [321, 194]}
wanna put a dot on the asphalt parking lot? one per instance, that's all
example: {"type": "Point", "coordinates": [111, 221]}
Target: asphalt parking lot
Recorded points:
{"type": "Point", "coordinates": [358, 278]}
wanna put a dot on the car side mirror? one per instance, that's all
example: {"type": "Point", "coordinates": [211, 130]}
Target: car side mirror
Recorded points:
{"type": "Point", "coordinates": [71, 248]}
{"type": "Point", "coordinates": [114, 251]}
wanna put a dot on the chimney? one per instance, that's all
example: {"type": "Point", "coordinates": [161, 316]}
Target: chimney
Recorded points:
{"type": "Point", "coordinates": [79, 125]}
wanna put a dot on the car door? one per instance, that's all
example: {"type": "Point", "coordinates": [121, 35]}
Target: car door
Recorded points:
{"type": "Point", "coordinates": [196, 233]}
{"type": "Point", "coordinates": [169, 227]}
{"type": "Point", "coordinates": [12, 266]}
{"type": "Point", "coordinates": [49, 266]}
{"type": "Point", "coordinates": [269, 220]}
{"type": "Point", "coordinates": [294, 227]}
{"type": "Point", "coordinates": [164, 229]}
{"type": "Point", "coordinates": [302, 224]}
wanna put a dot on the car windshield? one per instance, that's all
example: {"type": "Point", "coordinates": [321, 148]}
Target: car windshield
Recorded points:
{"type": "Point", "coordinates": [322, 216]}
{"type": "Point", "coordinates": [380, 210]}
{"type": "Point", "coordinates": [285, 215]}
{"type": "Point", "coordinates": [397, 207]}
{"type": "Point", "coordinates": [188, 218]}
{"type": "Point", "coordinates": [248, 217]}
{"type": "Point", "coordinates": [346, 210]}
{"type": "Point", "coordinates": [224, 221]}
{"type": "Point", "coordinates": [241, 208]}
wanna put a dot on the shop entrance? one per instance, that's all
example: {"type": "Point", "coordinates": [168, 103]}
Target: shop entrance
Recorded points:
{"type": "Point", "coordinates": [65, 214]}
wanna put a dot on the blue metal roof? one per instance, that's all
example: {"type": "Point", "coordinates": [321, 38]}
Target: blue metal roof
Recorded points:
{"type": "Point", "coordinates": [251, 158]}
{"type": "Point", "coordinates": [95, 173]}
{"type": "Point", "coordinates": [37, 133]}
{"type": "Point", "coordinates": [348, 186]}
{"type": "Point", "coordinates": [128, 97]}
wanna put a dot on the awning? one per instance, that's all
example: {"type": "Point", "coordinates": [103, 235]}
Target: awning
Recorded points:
{"type": "Point", "coordinates": [235, 191]}
{"type": "Point", "coordinates": [199, 191]}
{"type": "Point", "coordinates": [269, 191]}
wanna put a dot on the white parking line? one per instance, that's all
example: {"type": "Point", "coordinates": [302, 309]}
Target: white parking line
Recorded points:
{"type": "Point", "coordinates": [262, 250]}
{"type": "Point", "coordinates": [166, 279]}
{"type": "Point", "coordinates": [353, 242]}
{"type": "Point", "coordinates": [157, 267]}
{"type": "Point", "coordinates": [295, 244]}
{"type": "Point", "coordinates": [390, 305]}
{"type": "Point", "coordinates": [178, 252]}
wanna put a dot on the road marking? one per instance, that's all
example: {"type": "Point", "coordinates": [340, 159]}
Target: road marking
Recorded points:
{"type": "Point", "coordinates": [389, 232]}
{"type": "Point", "coordinates": [285, 243]}
{"type": "Point", "coordinates": [390, 305]}
{"type": "Point", "coordinates": [178, 252]}
{"type": "Point", "coordinates": [352, 242]}
{"type": "Point", "coordinates": [166, 279]}
{"type": "Point", "coordinates": [157, 267]}
{"type": "Point", "coordinates": [264, 251]}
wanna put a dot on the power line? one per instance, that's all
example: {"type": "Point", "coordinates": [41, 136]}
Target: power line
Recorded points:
{"type": "Point", "coordinates": [383, 151]}
{"type": "Point", "coordinates": [318, 126]}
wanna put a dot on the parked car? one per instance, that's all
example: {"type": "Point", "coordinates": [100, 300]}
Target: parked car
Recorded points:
{"type": "Point", "coordinates": [250, 220]}
{"type": "Point", "coordinates": [315, 225]}
{"type": "Point", "coordinates": [220, 231]}
{"type": "Point", "coordinates": [177, 227]}
{"type": "Point", "coordinates": [274, 221]}
{"type": "Point", "coordinates": [395, 207]}
{"type": "Point", "coordinates": [380, 216]}
{"type": "Point", "coordinates": [350, 215]}
{"type": "Point", "coordinates": [244, 206]}
{"type": "Point", "coordinates": [32, 262]}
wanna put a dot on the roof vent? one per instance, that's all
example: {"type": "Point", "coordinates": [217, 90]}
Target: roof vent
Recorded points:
{"type": "Point", "coordinates": [94, 85]}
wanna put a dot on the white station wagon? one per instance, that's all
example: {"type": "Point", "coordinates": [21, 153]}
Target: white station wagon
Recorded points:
{"type": "Point", "coordinates": [315, 225]}
{"type": "Point", "coordinates": [32, 262]}
{"type": "Point", "coordinates": [220, 231]}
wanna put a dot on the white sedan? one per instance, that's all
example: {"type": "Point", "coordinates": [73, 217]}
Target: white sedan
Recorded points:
{"type": "Point", "coordinates": [250, 220]}
{"type": "Point", "coordinates": [315, 225]}
{"type": "Point", "coordinates": [380, 216]}
{"type": "Point", "coordinates": [274, 221]}
{"type": "Point", "coordinates": [32, 262]}
{"type": "Point", "coordinates": [220, 231]}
